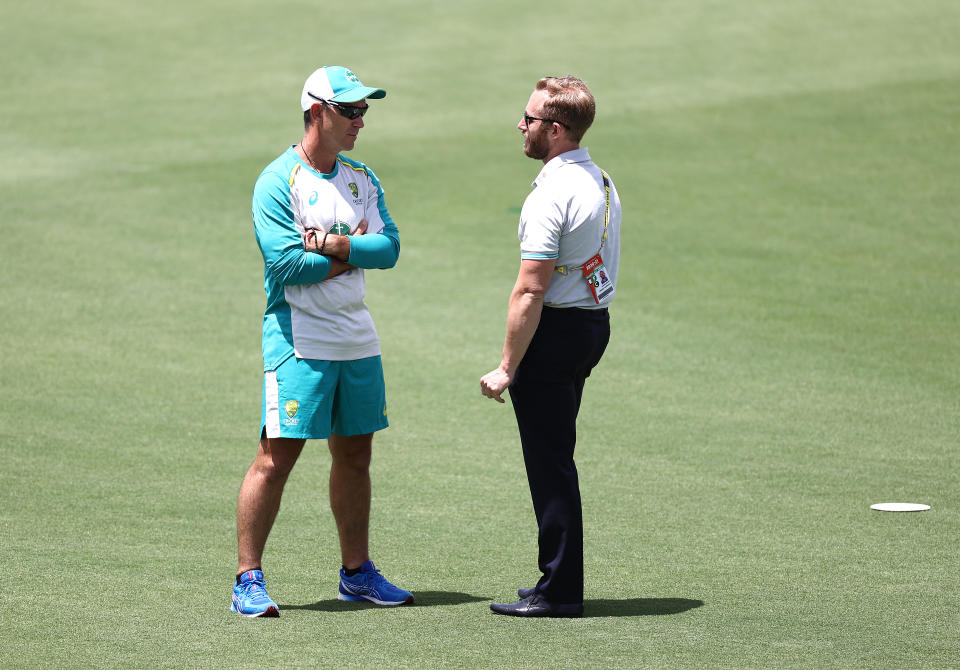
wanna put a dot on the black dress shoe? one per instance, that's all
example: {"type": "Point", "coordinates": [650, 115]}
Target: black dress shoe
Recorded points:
{"type": "Point", "coordinates": [526, 593]}
{"type": "Point", "coordinates": [536, 605]}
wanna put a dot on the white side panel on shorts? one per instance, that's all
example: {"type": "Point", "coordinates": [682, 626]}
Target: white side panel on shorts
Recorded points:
{"type": "Point", "coordinates": [272, 397]}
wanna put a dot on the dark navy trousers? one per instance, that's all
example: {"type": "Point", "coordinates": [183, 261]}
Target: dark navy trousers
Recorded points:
{"type": "Point", "coordinates": [546, 393]}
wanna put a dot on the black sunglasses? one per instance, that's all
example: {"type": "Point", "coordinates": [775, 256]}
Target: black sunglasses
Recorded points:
{"type": "Point", "coordinates": [527, 119]}
{"type": "Point", "coordinates": [344, 110]}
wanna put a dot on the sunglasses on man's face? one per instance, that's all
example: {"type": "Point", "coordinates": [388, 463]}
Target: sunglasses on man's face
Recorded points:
{"type": "Point", "coordinates": [344, 110]}
{"type": "Point", "coordinates": [527, 119]}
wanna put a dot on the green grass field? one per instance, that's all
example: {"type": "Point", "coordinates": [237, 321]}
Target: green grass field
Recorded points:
{"type": "Point", "coordinates": [785, 343]}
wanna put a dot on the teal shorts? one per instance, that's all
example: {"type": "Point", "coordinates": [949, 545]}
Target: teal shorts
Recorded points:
{"type": "Point", "coordinates": [311, 399]}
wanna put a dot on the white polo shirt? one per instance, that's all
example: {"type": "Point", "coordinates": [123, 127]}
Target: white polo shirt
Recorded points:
{"type": "Point", "coordinates": [563, 218]}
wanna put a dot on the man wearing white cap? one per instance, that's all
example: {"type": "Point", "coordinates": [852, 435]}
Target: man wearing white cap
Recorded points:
{"type": "Point", "coordinates": [320, 221]}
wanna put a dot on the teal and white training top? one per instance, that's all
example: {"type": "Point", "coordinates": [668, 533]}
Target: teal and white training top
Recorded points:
{"type": "Point", "coordinates": [307, 315]}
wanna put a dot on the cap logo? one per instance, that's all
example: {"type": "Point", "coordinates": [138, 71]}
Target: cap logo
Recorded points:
{"type": "Point", "coordinates": [351, 77]}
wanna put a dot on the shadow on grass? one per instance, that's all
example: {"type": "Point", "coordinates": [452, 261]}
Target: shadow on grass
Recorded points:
{"type": "Point", "coordinates": [423, 599]}
{"type": "Point", "coordinates": [606, 607]}
{"type": "Point", "coordinates": [638, 607]}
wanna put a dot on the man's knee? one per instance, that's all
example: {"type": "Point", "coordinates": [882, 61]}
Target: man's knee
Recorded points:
{"type": "Point", "coordinates": [277, 456]}
{"type": "Point", "coordinates": [353, 451]}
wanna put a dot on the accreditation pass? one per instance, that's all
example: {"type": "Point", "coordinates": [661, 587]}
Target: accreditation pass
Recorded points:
{"type": "Point", "coordinates": [597, 278]}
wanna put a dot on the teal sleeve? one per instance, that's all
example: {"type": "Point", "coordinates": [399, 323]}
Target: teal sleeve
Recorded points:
{"type": "Point", "coordinates": [285, 261]}
{"type": "Point", "coordinates": [378, 251]}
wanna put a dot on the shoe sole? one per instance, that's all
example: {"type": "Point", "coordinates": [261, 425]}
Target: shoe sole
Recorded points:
{"type": "Point", "coordinates": [556, 612]}
{"type": "Point", "coordinates": [550, 615]}
{"type": "Point", "coordinates": [384, 603]}
{"type": "Point", "coordinates": [270, 612]}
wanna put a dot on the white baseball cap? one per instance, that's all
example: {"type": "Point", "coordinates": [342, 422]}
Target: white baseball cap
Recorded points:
{"type": "Point", "coordinates": [334, 83]}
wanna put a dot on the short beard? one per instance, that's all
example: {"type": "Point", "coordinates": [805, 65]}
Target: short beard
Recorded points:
{"type": "Point", "coordinates": [536, 146]}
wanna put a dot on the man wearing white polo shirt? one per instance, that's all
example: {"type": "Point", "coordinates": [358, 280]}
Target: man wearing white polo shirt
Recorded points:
{"type": "Point", "coordinates": [558, 327]}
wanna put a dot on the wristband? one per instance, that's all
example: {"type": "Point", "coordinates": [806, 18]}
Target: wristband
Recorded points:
{"type": "Point", "coordinates": [323, 243]}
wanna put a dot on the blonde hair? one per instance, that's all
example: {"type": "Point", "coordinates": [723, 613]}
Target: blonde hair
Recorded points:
{"type": "Point", "coordinates": [570, 102]}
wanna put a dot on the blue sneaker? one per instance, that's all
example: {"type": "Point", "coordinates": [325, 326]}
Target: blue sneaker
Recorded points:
{"type": "Point", "coordinates": [250, 596]}
{"type": "Point", "coordinates": [369, 584]}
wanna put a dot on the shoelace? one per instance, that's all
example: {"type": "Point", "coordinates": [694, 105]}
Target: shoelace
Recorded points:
{"type": "Point", "coordinates": [250, 589]}
{"type": "Point", "coordinates": [374, 577]}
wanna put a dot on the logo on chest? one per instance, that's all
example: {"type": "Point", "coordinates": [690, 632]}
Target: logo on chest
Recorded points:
{"type": "Point", "coordinates": [357, 200]}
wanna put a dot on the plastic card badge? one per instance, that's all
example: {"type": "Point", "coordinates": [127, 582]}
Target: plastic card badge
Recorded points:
{"type": "Point", "coordinates": [598, 279]}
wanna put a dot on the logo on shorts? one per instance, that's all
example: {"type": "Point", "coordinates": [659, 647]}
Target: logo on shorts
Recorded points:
{"type": "Point", "coordinates": [340, 228]}
{"type": "Point", "coordinates": [291, 407]}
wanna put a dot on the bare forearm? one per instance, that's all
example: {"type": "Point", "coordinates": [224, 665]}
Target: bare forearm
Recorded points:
{"type": "Point", "coordinates": [335, 246]}
{"type": "Point", "coordinates": [317, 245]}
{"type": "Point", "coordinates": [523, 316]}
{"type": "Point", "coordinates": [380, 253]}
{"type": "Point", "coordinates": [338, 267]}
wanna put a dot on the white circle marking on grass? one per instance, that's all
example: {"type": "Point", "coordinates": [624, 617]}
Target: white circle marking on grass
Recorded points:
{"type": "Point", "coordinates": [900, 507]}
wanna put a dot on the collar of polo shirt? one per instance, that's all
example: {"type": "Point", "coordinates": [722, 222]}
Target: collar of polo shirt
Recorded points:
{"type": "Point", "coordinates": [580, 155]}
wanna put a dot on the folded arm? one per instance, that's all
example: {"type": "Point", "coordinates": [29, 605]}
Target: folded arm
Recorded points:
{"type": "Point", "coordinates": [284, 254]}
{"type": "Point", "coordinates": [376, 251]}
